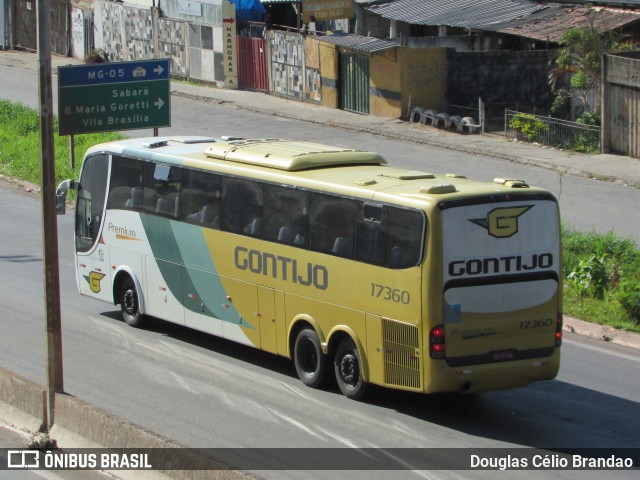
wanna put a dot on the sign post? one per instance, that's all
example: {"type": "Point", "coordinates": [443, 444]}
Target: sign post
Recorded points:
{"type": "Point", "coordinates": [53, 320]}
{"type": "Point", "coordinates": [103, 97]}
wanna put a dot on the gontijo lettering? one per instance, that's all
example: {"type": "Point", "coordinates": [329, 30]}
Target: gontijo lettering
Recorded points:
{"type": "Point", "coordinates": [284, 268]}
{"type": "Point", "coordinates": [508, 264]}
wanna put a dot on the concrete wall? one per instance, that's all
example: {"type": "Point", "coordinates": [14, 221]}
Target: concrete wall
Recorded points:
{"type": "Point", "coordinates": [385, 84]}
{"type": "Point", "coordinates": [424, 78]}
{"type": "Point", "coordinates": [26, 397]}
{"type": "Point", "coordinates": [516, 80]}
{"type": "Point", "coordinates": [312, 76]}
{"type": "Point", "coordinates": [79, 424]}
{"type": "Point", "coordinates": [329, 60]}
{"type": "Point", "coordinates": [286, 57]}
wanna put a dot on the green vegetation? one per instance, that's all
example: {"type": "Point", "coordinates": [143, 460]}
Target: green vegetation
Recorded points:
{"type": "Point", "coordinates": [580, 58]}
{"type": "Point", "coordinates": [20, 145]}
{"type": "Point", "coordinates": [602, 272]}
{"type": "Point", "coordinates": [602, 279]}
{"type": "Point", "coordinates": [528, 127]}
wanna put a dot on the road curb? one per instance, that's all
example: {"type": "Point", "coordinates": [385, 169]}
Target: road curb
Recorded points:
{"type": "Point", "coordinates": [602, 332]}
{"type": "Point", "coordinates": [79, 424]}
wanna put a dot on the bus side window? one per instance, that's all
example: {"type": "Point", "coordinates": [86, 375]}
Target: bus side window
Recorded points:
{"type": "Point", "coordinates": [405, 236]}
{"type": "Point", "coordinates": [125, 189]}
{"type": "Point", "coordinates": [371, 237]}
{"type": "Point", "coordinates": [200, 198]}
{"type": "Point", "coordinates": [92, 191]}
{"type": "Point", "coordinates": [162, 185]}
{"type": "Point", "coordinates": [242, 205]}
{"type": "Point", "coordinates": [285, 215]}
{"type": "Point", "coordinates": [332, 225]}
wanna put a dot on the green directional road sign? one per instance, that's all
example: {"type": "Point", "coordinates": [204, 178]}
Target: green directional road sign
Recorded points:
{"type": "Point", "coordinates": [113, 96]}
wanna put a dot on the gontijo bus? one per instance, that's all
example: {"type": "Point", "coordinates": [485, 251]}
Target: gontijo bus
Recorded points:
{"type": "Point", "coordinates": [326, 255]}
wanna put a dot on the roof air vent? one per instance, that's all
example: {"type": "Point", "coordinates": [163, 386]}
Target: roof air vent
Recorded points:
{"type": "Point", "coordinates": [511, 183]}
{"type": "Point", "coordinates": [439, 189]}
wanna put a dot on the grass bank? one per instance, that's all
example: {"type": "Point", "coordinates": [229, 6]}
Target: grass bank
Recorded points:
{"type": "Point", "coordinates": [601, 272]}
{"type": "Point", "coordinates": [20, 145]}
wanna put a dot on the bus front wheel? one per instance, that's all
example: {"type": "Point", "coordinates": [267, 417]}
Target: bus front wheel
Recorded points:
{"type": "Point", "coordinates": [348, 369]}
{"type": "Point", "coordinates": [310, 362]}
{"type": "Point", "coordinates": [130, 305]}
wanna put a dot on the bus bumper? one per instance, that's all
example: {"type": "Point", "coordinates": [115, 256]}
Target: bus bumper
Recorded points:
{"type": "Point", "coordinates": [494, 376]}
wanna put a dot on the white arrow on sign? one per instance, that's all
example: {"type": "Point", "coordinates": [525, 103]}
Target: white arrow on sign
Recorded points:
{"type": "Point", "coordinates": [159, 103]}
{"type": "Point", "coordinates": [159, 69]}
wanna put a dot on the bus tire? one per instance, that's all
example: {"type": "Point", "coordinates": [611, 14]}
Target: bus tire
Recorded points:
{"type": "Point", "coordinates": [130, 305]}
{"type": "Point", "coordinates": [310, 362]}
{"type": "Point", "coordinates": [348, 369]}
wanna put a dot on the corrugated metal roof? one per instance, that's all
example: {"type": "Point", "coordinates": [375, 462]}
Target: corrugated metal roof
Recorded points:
{"type": "Point", "coordinates": [551, 24]}
{"type": "Point", "coordinates": [359, 43]}
{"type": "Point", "coordinates": [455, 13]}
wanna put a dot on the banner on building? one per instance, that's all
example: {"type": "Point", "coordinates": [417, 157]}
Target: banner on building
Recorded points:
{"type": "Point", "coordinates": [320, 10]}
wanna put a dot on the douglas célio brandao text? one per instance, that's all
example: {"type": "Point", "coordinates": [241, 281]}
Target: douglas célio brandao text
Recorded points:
{"type": "Point", "coordinates": [535, 461]}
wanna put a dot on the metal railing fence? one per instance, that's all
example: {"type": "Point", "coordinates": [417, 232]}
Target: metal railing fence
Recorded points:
{"type": "Point", "coordinates": [550, 131]}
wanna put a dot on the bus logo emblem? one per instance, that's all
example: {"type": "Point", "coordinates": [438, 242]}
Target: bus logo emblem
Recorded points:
{"type": "Point", "coordinates": [94, 281]}
{"type": "Point", "coordinates": [502, 222]}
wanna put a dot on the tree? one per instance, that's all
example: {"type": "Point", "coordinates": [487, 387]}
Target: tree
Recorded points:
{"type": "Point", "coordinates": [580, 57]}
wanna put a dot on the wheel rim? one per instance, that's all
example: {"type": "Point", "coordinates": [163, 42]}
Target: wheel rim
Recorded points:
{"type": "Point", "coordinates": [308, 357]}
{"type": "Point", "coordinates": [129, 302]}
{"type": "Point", "coordinates": [349, 369]}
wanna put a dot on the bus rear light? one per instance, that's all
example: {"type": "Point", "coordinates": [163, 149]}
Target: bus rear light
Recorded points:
{"type": "Point", "coordinates": [559, 330]}
{"type": "Point", "coordinates": [437, 347]}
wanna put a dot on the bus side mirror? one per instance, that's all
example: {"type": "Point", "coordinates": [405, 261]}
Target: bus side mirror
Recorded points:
{"type": "Point", "coordinates": [61, 195]}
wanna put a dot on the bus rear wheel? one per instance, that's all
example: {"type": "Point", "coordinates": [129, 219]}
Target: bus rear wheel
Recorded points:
{"type": "Point", "coordinates": [348, 369]}
{"type": "Point", "coordinates": [130, 305]}
{"type": "Point", "coordinates": [310, 362]}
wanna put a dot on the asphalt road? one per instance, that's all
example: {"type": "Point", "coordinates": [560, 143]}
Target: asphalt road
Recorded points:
{"type": "Point", "coordinates": [206, 392]}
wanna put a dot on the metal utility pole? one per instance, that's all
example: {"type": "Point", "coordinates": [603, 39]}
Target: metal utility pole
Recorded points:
{"type": "Point", "coordinates": [53, 322]}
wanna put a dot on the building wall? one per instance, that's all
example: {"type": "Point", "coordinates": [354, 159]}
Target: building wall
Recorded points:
{"type": "Point", "coordinates": [303, 68]}
{"type": "Point", "coordinates": [385, 84]}
{"type": "Point", "coordinates": [123, 33]}
{"type": "Point", "coordinates": [4, 22]}
{"type": "Point", "coordinates": [172, 43]}
{"type": "Point", "coordinates": [328, 55]}
{"type": "Point", "coordinates": [202, 11]}
{"type": "Point", "coordinates": [621, 104]}
{"type": "Point", "coordinates": [312, 87]}
{"type": "Point", "coordinates": [424, 78]}
{"type": "Point", "coordinates": [515, 80]}
{"type": "Point", "coordinates": [287, 62]}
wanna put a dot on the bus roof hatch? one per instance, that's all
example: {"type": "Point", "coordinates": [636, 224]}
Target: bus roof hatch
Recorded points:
{"type": "Point", "coordinates": [288, 155]}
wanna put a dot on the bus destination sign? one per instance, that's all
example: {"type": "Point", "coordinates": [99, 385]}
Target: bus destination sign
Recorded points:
{"type": "Point", "coordinates": [104, 97]}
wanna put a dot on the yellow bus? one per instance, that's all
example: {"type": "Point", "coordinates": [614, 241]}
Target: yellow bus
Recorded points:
{"type": "Point", "coordinates": [352, 268]}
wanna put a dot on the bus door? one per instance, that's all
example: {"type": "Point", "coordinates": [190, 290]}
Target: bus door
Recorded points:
{"type": "Point", "coordinates": [240, 312]}
{"type": "Point", "coordinates": [501, 280]}
{"type": "Point", "coordinates": [202, 293]}
{"type": "Point", "coordinates": [267, 317]}
{"type": "Point", "coordinates": [94, 274]}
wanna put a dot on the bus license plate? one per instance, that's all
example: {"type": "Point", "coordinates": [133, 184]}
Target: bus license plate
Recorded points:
{"type": "Point", "coordinates": [503, 355]}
